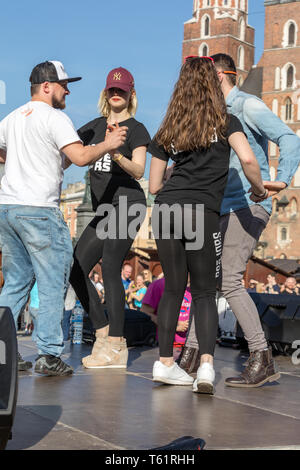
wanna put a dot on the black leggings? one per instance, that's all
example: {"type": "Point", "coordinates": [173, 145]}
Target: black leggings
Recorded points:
{"type": "Point", "coordinates": [88, 251]}
{"type": "Point", "coordinates": [203, 265]}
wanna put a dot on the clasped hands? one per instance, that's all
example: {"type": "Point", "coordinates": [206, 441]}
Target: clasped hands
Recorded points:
{"type": "Point", "coordinates": [272, 188]}
{"type": "Point", "coordinates": [115, 137]}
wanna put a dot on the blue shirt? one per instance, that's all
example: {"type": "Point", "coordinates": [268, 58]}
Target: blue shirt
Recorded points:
{"type": "Point", "coordinates": [260, 125]}
{"type": "Point", "coordinates": [138, 303]}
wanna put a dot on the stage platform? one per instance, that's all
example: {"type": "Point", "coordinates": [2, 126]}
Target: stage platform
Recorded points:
{"type": "Point", "coordinates": [124, 410]}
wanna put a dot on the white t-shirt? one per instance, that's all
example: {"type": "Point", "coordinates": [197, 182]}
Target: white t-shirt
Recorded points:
{"type": "Point", "coordinates": [33, 136]}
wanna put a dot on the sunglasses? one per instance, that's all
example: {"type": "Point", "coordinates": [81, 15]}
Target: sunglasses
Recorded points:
{"type": "Point", "coordinates": [188, 57]}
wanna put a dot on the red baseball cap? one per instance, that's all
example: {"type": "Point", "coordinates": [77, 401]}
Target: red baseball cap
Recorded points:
{"type": "Point", "coordinates": [119, 78]}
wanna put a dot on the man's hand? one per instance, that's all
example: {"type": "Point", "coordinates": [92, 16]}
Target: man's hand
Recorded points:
{"type": "Point", "coordinates": [116, 137]}
{"type": "Point", "coordinates": [274, 187]}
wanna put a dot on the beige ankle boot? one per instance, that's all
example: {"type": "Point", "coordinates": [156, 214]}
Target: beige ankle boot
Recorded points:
{"type": "Point", "coordinates": [113, 354]}
{"type": "Point", "coordinates": [101, 338]}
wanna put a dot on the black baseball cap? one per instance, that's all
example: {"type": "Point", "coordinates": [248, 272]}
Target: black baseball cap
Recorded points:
{"type": "Point", "coordinates": [50, 71]}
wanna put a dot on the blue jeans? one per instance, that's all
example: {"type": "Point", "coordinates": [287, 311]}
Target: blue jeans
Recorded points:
{"type": "Point", "coordinates": [66, 323]}
{"type": "Point", "coordinates": [36, 244]}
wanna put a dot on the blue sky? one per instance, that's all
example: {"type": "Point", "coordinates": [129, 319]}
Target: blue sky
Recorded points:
{"type": "Point", "coordinates": [91, 38]}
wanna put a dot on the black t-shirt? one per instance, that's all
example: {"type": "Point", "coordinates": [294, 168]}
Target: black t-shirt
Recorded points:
{"type": "Point", "coordinates": [200, 176]}
{"type": "Point", "coordinates": [108, 179]}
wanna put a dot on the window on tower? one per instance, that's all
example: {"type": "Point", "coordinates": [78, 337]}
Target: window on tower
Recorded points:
{"type": "Point", "coordinates": [290, 77]}
{"type": "Point", "coordinates": [205, 26]}
{"type": "Point", "coordinates": [288, 109]}
{"type": "Point", "coordinates": [290, 31]}
{"type": "Point", "coordinates": [292, 34]}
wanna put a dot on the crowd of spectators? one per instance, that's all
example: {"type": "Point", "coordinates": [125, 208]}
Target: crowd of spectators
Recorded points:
{"type": "Point", "coordinates": [271, 286]}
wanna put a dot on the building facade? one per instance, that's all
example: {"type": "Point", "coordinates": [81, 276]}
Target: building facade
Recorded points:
{"type": "Point", "coordinates": [222, 26]}
{"type": "Point", "coordinates": [71, 198]}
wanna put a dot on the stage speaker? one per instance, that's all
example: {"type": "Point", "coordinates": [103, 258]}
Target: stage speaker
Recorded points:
{"type": "Point", "coordinates": [280, 318]}
{"type": "Point", "coordinates": [8, 374]}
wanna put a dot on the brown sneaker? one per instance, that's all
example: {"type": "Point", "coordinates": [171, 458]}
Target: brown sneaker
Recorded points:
{"type": "Point", "coordinates": [113, 354]}
{"type": "Point", "coordinates": [260, 369]}
{"type": "Point", "coordinates": [189, 359]}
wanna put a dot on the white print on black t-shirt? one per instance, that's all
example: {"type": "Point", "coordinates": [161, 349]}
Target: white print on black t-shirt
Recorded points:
{"type": "Point", "coordinates": [218, 247]}
{"type": "Point", "coordinates": [214, 140]}
{"type": "Point", "coordinates": [104, 164]}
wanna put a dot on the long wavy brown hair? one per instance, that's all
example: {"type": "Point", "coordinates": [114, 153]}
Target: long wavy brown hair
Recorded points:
{"type": "Point", "coordinates": [197, 112]}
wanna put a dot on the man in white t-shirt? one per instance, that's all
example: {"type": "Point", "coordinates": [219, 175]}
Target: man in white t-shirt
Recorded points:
{"type": "Point", "coordinates": [37, 141]}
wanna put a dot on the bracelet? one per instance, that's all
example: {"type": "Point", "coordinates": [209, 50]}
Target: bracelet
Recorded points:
{"type": "Point", "coordinates": [118, 158]}
{"type": "Point", "coordinates": [262, 196]}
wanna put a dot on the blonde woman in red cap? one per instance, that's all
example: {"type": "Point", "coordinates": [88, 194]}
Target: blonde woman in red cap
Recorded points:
{"type": "Point", "coordinates": [118, 198]}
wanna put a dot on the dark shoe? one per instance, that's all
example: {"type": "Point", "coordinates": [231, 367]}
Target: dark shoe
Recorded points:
{"type": "Point", "coordinates": [260, 369]}
{"type": "Point", "coordinates": [189, 359]}
{"type": "Point", "coordinates": [23, 365]}
{"type": "Point", "coordinates": [47, 364]}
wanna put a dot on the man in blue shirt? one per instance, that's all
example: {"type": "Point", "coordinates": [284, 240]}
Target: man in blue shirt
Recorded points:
{"type": "Point", "coordinates": [243, 220]}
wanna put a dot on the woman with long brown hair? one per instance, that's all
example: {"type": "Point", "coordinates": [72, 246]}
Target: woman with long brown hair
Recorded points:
{"type": "Point", "coordinates": [197, 133]}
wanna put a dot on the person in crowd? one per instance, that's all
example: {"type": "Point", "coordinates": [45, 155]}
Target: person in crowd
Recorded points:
{"type": "Point", "coordinates": [243, 218]}
{"type": "Point", "coordinates": [137, 291]}
{"type": "Point", "coordinates": [290, 287]}
{"type": "Point", "coordinates": [147, 275]}
{"type": "Point", "coordinates": [197, 133]}
{"type": "Point", "coordinates": [110, 234]}
{"type": "Point", "coordinates": [126, 274]}
{"type": "Point", "coordinates": [252, 285]}
{"type": "Point", "coordinates": [33, 309]}
{"type": "Point", "coordinates": [37, 142]}
{"type": "Point", "coordinates": [150, 305]}
{"type": "Point", "coordinates": [98, 286]}
{"type": "Point", "coordinates": [70, 302]}
{"type": "Point", "coordinates": [271, 285]}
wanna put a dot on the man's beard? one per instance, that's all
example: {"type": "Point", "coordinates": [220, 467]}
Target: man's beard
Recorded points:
{"type": "Point", "coordinates": [58, 104]}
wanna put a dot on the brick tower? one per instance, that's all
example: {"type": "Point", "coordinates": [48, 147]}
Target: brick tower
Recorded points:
{"type": "Point", "coordinates": [221, 26]}
{"type": "Point", "coordinates": [280, 65]}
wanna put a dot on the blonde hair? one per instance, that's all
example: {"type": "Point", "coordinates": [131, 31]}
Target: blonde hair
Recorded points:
{"type": "Point", "coordinates": [104, 108]}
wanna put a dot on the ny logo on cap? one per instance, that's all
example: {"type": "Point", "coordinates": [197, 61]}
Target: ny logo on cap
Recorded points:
{"type": "Point", "coordinates": [117, 76]}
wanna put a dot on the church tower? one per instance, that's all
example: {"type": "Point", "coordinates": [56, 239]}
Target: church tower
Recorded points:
{"type": "Point", "coordinates": [221, 26]}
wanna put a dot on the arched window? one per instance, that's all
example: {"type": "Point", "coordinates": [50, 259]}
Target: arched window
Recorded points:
{"type": "Point", "coordinates": [288, 109]}
{"type": "Point", "coordinates": [205, 26]}
{"type": "Point", "coordinates": [294, 206]}
{"type": "Point", "coordinates": [282, 256]}
{"type": "Point", "coordinates": [290, 77]}
{"type": "Point", "coordinates": [203, 50]}
{"type": "Point", "coordinates": [277, 78]}
{"type": "Point", "coordinates": [292, 34]}
{"type": "Point", "coordinates": [241, 58]}
{"type": "Point", "coordinates": [283, 234]}
{"type": "Point", "coordinates": [242, 27]}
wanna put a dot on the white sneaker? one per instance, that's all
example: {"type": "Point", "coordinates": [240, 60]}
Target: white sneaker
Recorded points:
{"type": "Point", "coordinates": [170, 375]}
{"type": "Point", "coordinates": [204, 382]}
